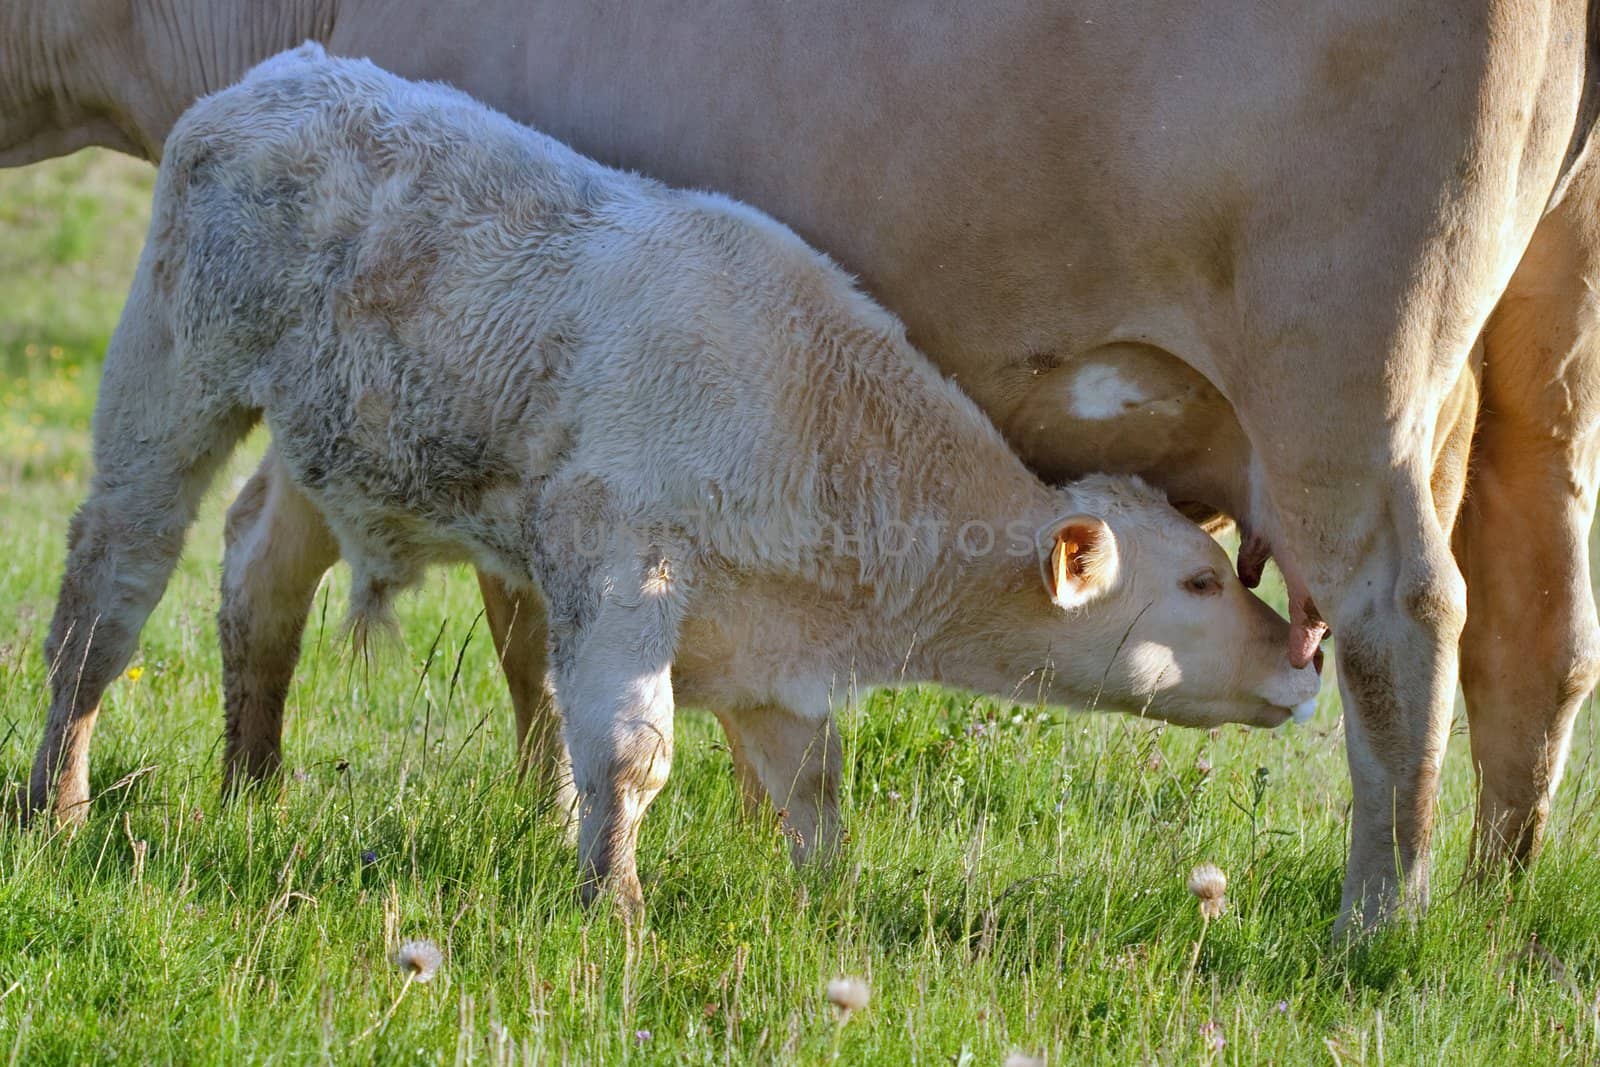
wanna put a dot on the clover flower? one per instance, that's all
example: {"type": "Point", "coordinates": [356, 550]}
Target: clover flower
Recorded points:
{"type": "Point", "coordinates": [420, 959]}
{"type": "Point", "coordinates": [1209, 886]}
{"type": "Point", "coordinates": [848, 995]}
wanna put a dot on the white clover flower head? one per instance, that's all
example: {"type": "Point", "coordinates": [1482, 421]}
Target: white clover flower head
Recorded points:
{"type": "Point", "coordinates": [420, 959]}
{"type": "Point", "coordinates": [1022, 1059]}
{"type": "Point", "coordinates": [848, 995]}
{"type": "Point", "coordinates": [1210, 887]}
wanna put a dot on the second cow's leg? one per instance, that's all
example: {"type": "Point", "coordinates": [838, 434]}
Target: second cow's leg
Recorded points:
{"type": "Point", "coordinates": [1400, 607]}
{"type": "Point", "coordinates": [277, 549]}
{"type": "Point", "coordinates": [517, 623]}
{"type": "Point", "coordinates": [1531, 651]}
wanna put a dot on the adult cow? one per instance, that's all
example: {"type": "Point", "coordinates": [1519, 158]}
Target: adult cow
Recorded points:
{"type": "Point", "coordinates": [1243, 250]}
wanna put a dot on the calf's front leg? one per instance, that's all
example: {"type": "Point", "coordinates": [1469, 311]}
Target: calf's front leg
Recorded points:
{"type": "Point", "coordinates": [614, 681]}
{"type": "Point", "coordinates": [796, 761]}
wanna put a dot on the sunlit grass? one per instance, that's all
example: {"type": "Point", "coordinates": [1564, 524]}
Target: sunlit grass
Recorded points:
{"type": "Point", "coordinates": [1014, 877]}
{"type": "Point", "coordinates": [71, 233]}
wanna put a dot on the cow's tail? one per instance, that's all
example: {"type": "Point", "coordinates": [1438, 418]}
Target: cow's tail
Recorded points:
{"type": "Point", "coordinates": [1586, 130]}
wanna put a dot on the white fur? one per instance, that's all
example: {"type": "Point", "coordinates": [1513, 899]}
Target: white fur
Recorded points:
{"type": "Point", "coordinates": [723, 466]}
{"type": "Point", "coordinates": [1101, 392]}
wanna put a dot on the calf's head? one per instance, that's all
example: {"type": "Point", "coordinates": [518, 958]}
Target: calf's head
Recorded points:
{"type": "Point", "coordinates": [1126, 604]}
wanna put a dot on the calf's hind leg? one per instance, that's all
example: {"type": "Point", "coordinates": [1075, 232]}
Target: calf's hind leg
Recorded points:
{"type": "Point", "coordinates": [156, 448]}
{"type": "Point", "coordinates": [277, 549]}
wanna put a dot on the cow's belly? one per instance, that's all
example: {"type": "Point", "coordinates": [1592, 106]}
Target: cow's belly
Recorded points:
{"type": "Point", "coordinates": [1130, 409]}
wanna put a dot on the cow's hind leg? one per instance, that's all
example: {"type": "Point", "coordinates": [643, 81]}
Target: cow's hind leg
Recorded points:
{"type": "Point", "coordinates": [1531, 650]}
{"type": "Point", "coordinates": [157, 445]}
{"type": "Point", "coordinates": [1363, 526]}
{"type": "Point", "coordinates": [797, 762]}
{"type": "Point", "coordinates": [277, 548]}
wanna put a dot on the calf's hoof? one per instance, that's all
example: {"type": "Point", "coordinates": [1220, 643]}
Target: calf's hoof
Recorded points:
{"type": "Point", "coordinates": [33, 806]}
{"type": "Point", "coordinates": [624, 893]}
{"type": "Point", "coordinates": [244, 772]}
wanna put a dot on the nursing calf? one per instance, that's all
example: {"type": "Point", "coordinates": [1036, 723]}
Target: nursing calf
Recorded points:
{"type": "Point", "coordinates": [730, 476]}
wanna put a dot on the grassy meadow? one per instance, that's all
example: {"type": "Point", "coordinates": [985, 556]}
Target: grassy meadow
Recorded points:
{"type": "Point", "coordinates": [1014, 880]}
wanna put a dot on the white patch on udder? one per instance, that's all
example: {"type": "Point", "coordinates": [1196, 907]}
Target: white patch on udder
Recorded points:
{"type": "Point", "coordinates": [1100, 392]}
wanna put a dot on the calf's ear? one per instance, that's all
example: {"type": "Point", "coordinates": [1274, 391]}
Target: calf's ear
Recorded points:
{"type": "Point", "coordinates": [1079, 559]}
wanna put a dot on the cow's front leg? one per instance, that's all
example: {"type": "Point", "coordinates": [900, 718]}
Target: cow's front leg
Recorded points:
{"type": "Point", "coordinates": [1352, 489]}
{"type": "Point", "coordinates": [796, 761]}
{"type": "Point", "coordinates": [1397, 673]}
{"type": "Point", "coordinates": [1531, 650]}
{"type": "Point", "coordinates": [517, 623]}
{"type": "Point", "coordinates": [277, 548]}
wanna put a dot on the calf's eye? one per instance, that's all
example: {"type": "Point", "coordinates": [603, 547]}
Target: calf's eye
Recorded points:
{"type": "Point", "coordinates": [1206, 583]}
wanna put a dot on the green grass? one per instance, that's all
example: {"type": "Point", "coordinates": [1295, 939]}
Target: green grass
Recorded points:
{"type": "Point", "coordinates": [1018, 886]}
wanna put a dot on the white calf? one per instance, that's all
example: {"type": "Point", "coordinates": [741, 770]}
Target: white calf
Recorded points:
{"type": "Point", "coordinates": [733, 480]}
